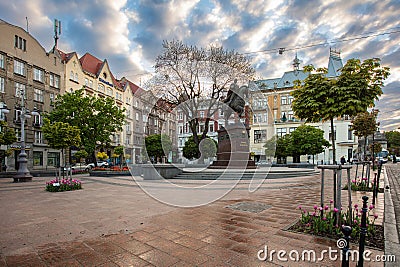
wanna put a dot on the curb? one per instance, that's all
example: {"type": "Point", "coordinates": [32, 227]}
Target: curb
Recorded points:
{"type": "Point", "coordinates": [389, 224]}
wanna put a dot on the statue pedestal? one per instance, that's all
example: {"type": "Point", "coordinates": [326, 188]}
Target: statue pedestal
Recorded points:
{"type": "Point", "coordinates": [233, 148]}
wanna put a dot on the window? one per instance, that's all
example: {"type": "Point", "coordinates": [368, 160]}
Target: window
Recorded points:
{"type": "Point", "coordinates": [128, 113]}
{"type": "Point", "coordinates": [91, 84]}
{"type": "Point", "coordinates": [349, 133]}
{"type": "Point", "coordinates": [137, 116]}
{"type": "Point", "coordinates": [38, 74]}
{"type": "Point", "coordinates": [53, 159]}
{"type": "Point", "coordinates": [71, 75]}
{"type": "Point", "coordinates": [180, 116]}
{"type": "Point", "coordinates": [2, 58]}
{"type": "Point", "coordinates": [292, 129]}
{"type": "Point", "coordinates": [211, 127]}
{"type": "Point", "coordinates": [18, 134]}
{"type": "Point", "coordinates": [38, 137]}
{"type": "Point", "coordinates": [290, 115]}
{"type": "Point", "coordinates": [280, 132]}
{"type": "Point", "coordinates": [51, 97]}
{"type": "Point", "coordinates": [128, 128]}
{"type": "Point", "coordinates": [76, 77]}
{"type": "Point", "coordinates": [201, 114]}
{"type": "Point", "coordinates": [37, 158]}
{"type": "Point", "coordinates": [1, 85]}
{"type": "Point", "coordinates": [101, 87]}
{"type": "Point", "coordinates": [118, 96]}
{"type": "Point", "coordinates": [260, 136]}
{"type": "Point", "coordinates": [19, 67]}
{"type": "Point", "coordinates": [38, 95]}
{"type": "Point", "coordinates": [37, 120]}
{"type": "Point", "coordinates": [180, 129]}
{"type": "Point", "coordinates": [283, 100]}
{"type": "Point", "coordinates": [109, 91]}
{"type": "Point", "coordinates": [54, 80]}
{"type": "Point", "coordinates": [290, 99]}
{"type": "Point", "coordinates": [19, 89]}
{"type": "Point", "coordinates": [86, 82]}
{"type": "Point", "coordinates": [20, 43]}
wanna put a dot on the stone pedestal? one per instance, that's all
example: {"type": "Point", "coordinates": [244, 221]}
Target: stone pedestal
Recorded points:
{"type": "Point", "coordinates": [233, 148]}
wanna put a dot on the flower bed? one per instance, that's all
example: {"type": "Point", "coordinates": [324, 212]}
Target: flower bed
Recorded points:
{"type": "Point", "coordinates": [361, 184]}
{"type": "Point", "coordinates": [63, 185]}
{"type": "Point", "coordinates": [321, 222]}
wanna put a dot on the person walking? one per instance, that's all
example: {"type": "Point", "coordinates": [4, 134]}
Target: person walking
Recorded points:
{"type": "Point", "coordinates": [342, 160]}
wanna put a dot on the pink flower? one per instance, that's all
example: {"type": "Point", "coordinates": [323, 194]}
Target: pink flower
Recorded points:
{"type": "Point", "coordinates": [375, 216]}
{"type": "Point", "coordinates": [331, 201]}
{"type": "Point", "coordinates": [320, 208]}
{"type": "Point", "coordinates": [324, 218]}
{"type": "Point", "coordinates": [299, 207]}
{"type": "Point", "coordinates": [355, 221]}
{"type": "Point", "coordinates": [313, 214]}
{"type": "Point", "coordinates": [315, 207]}
{"type": "Point", "coordinates": [364, 178]}
{"type": "Point", "coordinates": [356, 206]}
{"type": "Point", "coordinates": [335, 210]}
{"type": "Point", "coordinates": [308, 224]}
{"type": "Point", "coordinates": [353, 181]}
{"type": "Point", "coordinates": [326, 207]}
{"type": "Point", "coordinates": [371, 207]}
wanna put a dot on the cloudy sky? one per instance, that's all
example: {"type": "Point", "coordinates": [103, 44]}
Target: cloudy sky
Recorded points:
{"type": "Point", "coordinates": [129, 33]}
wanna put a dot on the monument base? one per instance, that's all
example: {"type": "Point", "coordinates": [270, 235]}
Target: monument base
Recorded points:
{"type": "Point", "coordinates": [233, 148]}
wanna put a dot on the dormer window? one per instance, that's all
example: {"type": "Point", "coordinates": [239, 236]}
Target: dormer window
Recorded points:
{"type": "Point", "coordinates": [105, 75]}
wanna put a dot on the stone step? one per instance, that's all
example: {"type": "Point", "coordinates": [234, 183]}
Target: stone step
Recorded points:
{"type": "Point", "coordinates": [246, 175]}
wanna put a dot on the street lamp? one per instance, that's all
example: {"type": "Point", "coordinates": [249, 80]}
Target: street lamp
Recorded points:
{"type": "Point", "coordinates": [23, 174]}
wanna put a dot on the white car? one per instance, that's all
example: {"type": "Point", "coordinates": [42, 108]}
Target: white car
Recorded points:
{"type": "Point", "coordinates": [99, 164]}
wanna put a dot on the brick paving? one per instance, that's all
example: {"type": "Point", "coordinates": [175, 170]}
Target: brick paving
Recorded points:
{"type": "Point", "coordinates": [112, 222]}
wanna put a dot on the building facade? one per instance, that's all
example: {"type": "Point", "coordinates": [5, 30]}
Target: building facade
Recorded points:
{"type": "Point", "coordinates": [277, 117]}
{"type": "Point", "coordinates": [30, 78]}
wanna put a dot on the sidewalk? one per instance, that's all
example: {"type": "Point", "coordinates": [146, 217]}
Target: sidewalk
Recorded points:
{"type": "Point", "coordinates": [112, 222]}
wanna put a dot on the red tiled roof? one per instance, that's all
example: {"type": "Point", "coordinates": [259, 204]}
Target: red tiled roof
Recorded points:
{"type": "Point", "coordinates": [65, 56]}
{"type": "Point", "coordinates": [91, 63]}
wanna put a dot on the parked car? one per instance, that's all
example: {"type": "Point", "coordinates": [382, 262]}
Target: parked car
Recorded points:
{"type": "Point", "coordinates": [99, 164]}
{"type": "Point", "coordinates": [81, 167]}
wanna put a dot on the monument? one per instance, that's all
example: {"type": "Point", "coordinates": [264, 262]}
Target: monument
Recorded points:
{"type": "Point", "coordinates": [233, 140]}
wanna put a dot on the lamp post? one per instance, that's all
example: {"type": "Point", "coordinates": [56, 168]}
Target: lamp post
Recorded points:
{"type": "Point", "coordinates": [23, 174]}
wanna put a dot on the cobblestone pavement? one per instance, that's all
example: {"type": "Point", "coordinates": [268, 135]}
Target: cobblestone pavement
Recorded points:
{"type": "Point", "coordinates": [112, 222]}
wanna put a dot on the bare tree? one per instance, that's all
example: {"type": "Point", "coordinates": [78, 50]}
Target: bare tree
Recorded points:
{"type": "Point", "coordinates": [197, 79]}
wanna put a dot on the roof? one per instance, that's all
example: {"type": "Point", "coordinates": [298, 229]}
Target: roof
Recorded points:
{"type": "Point", "coordinates": [65, 56]}
{"type": "Point", "coordinates": [268, 83]}
{"type": "Point", "coordinates": [289, 77]}
{"type": "Point", "coordinates": [91, 63]}
{"type": "Point", "coordinates": [334, 65]}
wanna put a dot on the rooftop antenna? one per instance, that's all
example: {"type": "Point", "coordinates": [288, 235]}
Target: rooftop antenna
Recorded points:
{"type": "Point", "coordinates": [27, 25]}
{"type": "Point", "coordinates": [57, 31]}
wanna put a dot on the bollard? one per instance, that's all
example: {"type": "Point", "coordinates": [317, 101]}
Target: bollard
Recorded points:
{"type": "Point", "coordinates": [363, 231]}
{"type": "Point", "coordinates": [374, 191]}
{"type": "Point", "coordinates": [346, 230]}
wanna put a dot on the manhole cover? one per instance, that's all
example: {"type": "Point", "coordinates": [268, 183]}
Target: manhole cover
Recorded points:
{"type": "Point", "coordinates": [254, 207]}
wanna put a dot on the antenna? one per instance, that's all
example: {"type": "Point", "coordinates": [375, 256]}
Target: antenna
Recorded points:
{"type": "Point", "coordinates": [57, 31]}
{"type": "Point", "coordinates": [27, 25]}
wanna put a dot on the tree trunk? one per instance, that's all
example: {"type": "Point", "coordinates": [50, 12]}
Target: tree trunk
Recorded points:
{"type": "Point", "coordinates": [333, 142]}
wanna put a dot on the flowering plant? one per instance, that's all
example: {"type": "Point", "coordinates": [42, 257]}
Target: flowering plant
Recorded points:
{"type": "Point", "coordinates": [56, 185]}
{"type": "Point", "coordinates": [359, 184]}
{"type": "Point", "coordinates": [321, 221]}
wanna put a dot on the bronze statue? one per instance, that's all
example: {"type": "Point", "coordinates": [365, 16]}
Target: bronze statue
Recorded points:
{"type": "Point", "coordinates": [235, 100]}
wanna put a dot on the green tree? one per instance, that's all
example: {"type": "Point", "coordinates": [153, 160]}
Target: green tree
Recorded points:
{"type": "Point", "coordinates": [208, 148]}
{"type": "Point", "coordinates": [393, 142]}
{"type": "Point", "coordinates": [158, 145]}
{"type": "Point", "coordinates": [80, 154]}
{"type": "Point", "coordinates": [364, 124]}
{"type": "Point", "coordinates": [119, 150]}
{"type": "Point", "coordinates": [195, 78]}
{"type": "Point", "coordinates": [7, 137]}
{"type": "Point", "coordinates": [270, 147]}
{"type": "Point", "coordinates": [97, 118]}
{"type": "Point", "coordinates": [61, 135]}
{"type": "Point", "coordinates": [353, 91]}
{"type": "Point", "coordinates": [307, 140]}
{"type": "Point", "coordinates": [7, 134]}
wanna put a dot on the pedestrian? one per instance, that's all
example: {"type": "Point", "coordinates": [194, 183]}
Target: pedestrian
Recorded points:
{"type": "Point", "coordinates": [342, 160]}
{"type": "Point", "coordinates": [394, 158]}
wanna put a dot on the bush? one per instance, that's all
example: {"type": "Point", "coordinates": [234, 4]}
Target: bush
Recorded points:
{"type": "Point", "coordinates": [63, 185]}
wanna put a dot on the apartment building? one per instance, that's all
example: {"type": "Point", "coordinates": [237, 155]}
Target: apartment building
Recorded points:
{"type": "Point", "coordinates": [273, 114]}
{"type": "Point", "coordinates": [30, 78]}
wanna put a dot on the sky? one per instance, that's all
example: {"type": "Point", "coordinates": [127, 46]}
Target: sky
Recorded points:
{"type": "Point", "coordinates": [129, 33]}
